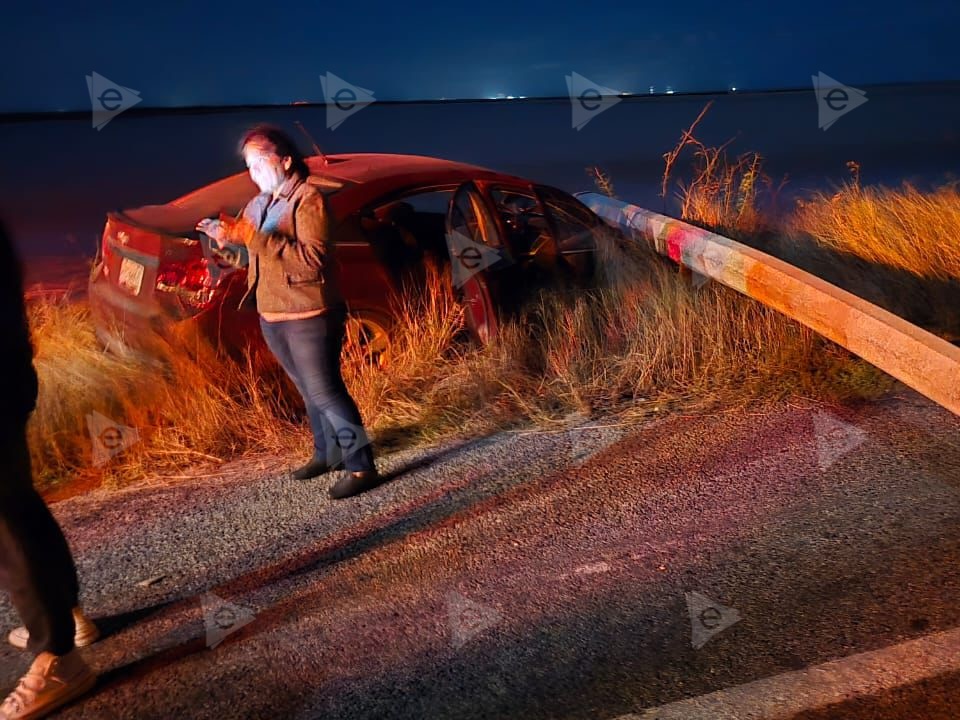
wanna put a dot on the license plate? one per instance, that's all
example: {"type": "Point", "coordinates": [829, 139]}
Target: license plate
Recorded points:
{"type": "Point", "coordinates": [131, 275]}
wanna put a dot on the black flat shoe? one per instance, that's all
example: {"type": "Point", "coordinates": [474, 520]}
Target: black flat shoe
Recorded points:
{"type": "Point", "coordinates": [310, 470]}
{"type": "Point", "coordinates": [354, 483]}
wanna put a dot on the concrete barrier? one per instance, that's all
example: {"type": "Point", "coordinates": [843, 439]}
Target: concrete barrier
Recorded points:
{"type": "Point", "coordinates": [925, 362]}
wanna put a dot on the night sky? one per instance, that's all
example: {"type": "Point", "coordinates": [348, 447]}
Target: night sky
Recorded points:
{"type": "Point", "coordinates": [178, 54]}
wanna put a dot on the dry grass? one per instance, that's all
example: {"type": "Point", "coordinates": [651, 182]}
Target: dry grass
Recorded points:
{"type": "Point", "coordinates": [195, 407]}
{"type": "Point", "coordinates": [603, 181]}
{"type": "Point", "coordinates": [647, 335]}
{"type": "Point", "coordinates": [722, 193]}
{"type": "Point", "coordinates": [643, 338]}
{"type": "Point", "coordinates": [897, 248]}
{"type": "Point", "coordinates": [901, 228]}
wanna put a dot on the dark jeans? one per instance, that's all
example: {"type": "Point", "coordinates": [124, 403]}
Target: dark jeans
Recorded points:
{"type": "Point", "coordinates": [309, 351]}
{"type": "Point", "coordinates": [36, 566]}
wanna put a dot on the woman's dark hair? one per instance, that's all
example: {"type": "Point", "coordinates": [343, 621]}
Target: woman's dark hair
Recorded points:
{"type": "Point", "coordinates": [284, 144]}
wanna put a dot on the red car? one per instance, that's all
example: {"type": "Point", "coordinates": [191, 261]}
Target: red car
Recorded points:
{"type": "Point", "coordinates": [394, 210]}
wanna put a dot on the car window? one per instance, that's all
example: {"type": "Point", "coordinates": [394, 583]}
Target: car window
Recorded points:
{"type": "Point", "coordinates": [430, 201]}
{"type": "Point", "coordinates": [415, 221]}
{"type": "Point", "coordinates": [470, 218]}
{"type": "Point", "coordinates": [426, 204]}
{"type": "Point", "coordinates": [522, 217]}
{"type": "Point", "coordinates": [573, 222]}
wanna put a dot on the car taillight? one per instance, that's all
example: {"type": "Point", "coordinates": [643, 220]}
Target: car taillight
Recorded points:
{"type": "Point", "coordinates": [189, 280]}
{"type": "Point", "coordinates": [104, 254]}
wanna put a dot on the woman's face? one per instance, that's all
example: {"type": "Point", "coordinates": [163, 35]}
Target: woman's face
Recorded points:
{"type": "Point", "coordinates": [267, 169]}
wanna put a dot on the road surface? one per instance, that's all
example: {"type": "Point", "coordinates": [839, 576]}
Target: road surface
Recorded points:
{"type": "Point", "coordinates": [607, 569]}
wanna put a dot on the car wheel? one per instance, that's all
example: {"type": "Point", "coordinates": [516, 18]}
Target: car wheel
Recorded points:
{"type": "Point", "coordinates": [367, 334]}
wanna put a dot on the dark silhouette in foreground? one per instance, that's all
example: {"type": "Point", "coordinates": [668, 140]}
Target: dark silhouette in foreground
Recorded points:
{"type": "Point", "coordinates": [36, 566]}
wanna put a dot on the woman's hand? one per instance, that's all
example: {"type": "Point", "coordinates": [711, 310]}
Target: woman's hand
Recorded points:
{"type": "Point", "coordinates": [226, 230]}
{"type": "Point", "coordinates": [216, 230]}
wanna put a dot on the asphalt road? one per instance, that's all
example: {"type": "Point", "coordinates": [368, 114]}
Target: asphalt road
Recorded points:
{"type": "Point", "coordinates": [601, 570]}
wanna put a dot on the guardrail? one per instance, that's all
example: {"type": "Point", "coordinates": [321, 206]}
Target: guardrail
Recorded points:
{"type": "Point", "coordinates": [925, 362]}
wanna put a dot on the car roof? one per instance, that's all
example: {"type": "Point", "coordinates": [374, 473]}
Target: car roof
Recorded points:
{"type": "Point", "coordinates": [356, 178]}
{"type": "Point", "coordinates": [367, 167]}
{"type": "Point", "coordinates": [370, 176]}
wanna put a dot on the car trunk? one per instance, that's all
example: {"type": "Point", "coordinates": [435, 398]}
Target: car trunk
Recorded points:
{"type": "Point", "coordinates": [153, 264]}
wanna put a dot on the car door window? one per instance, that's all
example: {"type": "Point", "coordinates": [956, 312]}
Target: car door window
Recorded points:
{"type": "Point", "coordinates": [526, 228]}
{"type": "Point", "coordinates": [472, 236]}
{"type": "Point", "coordinates": [469, 216]}
{"type": "Point", "coordinates": [415, 219]}
{"type": "Point", "coordinates": [574, 225]}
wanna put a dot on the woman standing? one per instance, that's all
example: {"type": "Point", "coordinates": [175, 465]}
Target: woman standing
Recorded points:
{"type": "Point", "coordinates": [287, 231]}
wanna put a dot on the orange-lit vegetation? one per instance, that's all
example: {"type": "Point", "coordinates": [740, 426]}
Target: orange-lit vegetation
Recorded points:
{"type": "Point", "coordinates": [897, 248]}
{"type": "Point", "coordinates": [902, 228]}
{"type": "Point", "coordinates": [722, 193]}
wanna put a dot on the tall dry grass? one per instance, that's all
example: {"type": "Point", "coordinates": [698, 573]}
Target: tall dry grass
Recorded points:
{"type": "Point", "coordinates": [902, 228]}
{"type": "Point", "coordinates": [897, 248]}
{"type": "Point", "coordinates": [722, 193]}
{"type": "Point", "coordinates": [192, 406]}
{"type": "Point", "coordinates": [642, 338]}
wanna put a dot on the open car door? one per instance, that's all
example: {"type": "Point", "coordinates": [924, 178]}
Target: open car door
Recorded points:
{"type": "Point", "coordinates": [475, 248]}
